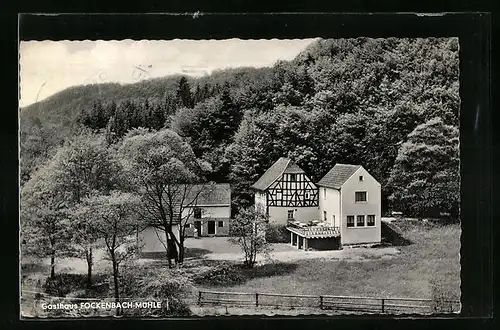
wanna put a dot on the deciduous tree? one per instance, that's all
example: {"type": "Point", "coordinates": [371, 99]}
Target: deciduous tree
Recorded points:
{"type": "Point", "coordinates": [425, 178]}
{"type": "Point", "coordinates": [114, 219]}
{"type": "Point", "coordinates": [164, 168]}
{"type": "Point", "coordinates": [45, 220]}
{"type": "Point", "coordinates": [249, 228]}
{"type": "Point", "coordinates": [82, 168]}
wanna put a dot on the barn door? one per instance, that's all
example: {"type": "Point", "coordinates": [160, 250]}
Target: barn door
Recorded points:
{"type": "Point", "coordinates": [197, 225]}
{"type": "Point", "coordinates": [211, 228]}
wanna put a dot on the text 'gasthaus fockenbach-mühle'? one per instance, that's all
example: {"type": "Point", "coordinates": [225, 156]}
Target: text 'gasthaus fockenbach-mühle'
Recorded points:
{"type": "Point", "coordinates": [104, 305]}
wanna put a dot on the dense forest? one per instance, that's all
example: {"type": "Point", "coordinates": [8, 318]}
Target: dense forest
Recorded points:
{"type": "Point", "coordinates": [391, 105]}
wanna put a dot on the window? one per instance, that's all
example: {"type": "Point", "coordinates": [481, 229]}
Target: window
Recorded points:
{"type": "Point", "coordinates": [197, 213]}
{"type": "Point", "coordinates": [360, 178]}
{"type": "Point", "coordinates": [371, 220]}
{"type": "Point", "coordinates": [293, 177]}
{"type": "Point", "coordinates": [220, 224]}
{"type": "Point", "coordinates": [307, 195]}
{"type": "Point", "coordinates": [361, 221]}
{"type": "Point", "coordinates": [188, 225]}
{"type": "Point", "coordinates": [324, 193]}
{"type": "Point", "coordinates": [324, 215]}
{"type": "Point", "coordinates": [360, 196]}
{"type": "Point", "coordinates": [290, 214]}
{"type": "Point", "coordinates": [350, 221]}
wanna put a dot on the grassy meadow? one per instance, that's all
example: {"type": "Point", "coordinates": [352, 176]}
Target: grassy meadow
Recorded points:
{"type": "Point", "coordinates": [430, 262]}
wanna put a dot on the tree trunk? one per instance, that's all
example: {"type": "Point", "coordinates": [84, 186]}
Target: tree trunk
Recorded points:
{"type": "Point", "coordinates": [169, 252]}
{"type": "Point", "coordinates": [52, 265]}
{"type": "Point", "coordinates": [181, 249]}
{"type": "Point", "coordinates": [181, 254]}
{"type": "Point", "coordinates": [116, 282]}
{"type": "Point", "coordinates": [89, 268]}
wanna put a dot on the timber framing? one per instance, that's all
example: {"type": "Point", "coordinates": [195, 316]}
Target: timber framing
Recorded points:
{"type": "Point", "coordinates": [292, 189]}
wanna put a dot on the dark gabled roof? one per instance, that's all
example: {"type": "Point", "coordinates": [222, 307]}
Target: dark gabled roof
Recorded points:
{"type": "Point", "coordinates": [210, 194]}
{"type": "Point", "coordinates": [338, 175]}
{"type": "Point", "coordinates": [282, 165]}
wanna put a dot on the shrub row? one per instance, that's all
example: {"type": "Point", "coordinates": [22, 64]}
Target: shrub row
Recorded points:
{"type": "Point", "coordinates": [277, 234]}
{"type": "Point", "coordinates": [224, 274]}
{"type": "Point", "coordinates": [63, 284]}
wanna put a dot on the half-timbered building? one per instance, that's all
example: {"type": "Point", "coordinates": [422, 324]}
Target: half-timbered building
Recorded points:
{"type": "Point", "coordinates": [286, 193]}
{"type": "Point", "coordinates": [343, 208]}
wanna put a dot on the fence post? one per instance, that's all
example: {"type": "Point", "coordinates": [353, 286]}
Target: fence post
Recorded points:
{"type": "Point", "coordinates": [199, 298]}
{"type": "Point", "coordinates": [321, 302]}
{"type": "Point", "coordinates": [256, 299]}
{"type": "Point", "coordinates": [383, 305]}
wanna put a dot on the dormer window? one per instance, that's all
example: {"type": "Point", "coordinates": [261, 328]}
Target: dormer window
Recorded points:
{"type": "Point", "coordinates": [361, 178]}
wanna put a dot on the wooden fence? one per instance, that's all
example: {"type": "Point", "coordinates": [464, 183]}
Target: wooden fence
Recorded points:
{"type": "Point", "coordinates": [326, 302]}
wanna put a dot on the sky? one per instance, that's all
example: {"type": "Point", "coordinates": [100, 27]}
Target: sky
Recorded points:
{"type": "Point", "coordinates": [47, 67]}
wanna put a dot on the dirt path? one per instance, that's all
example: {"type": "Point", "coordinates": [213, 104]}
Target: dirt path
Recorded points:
{"type": "Point", "coordinates": [353, 254]}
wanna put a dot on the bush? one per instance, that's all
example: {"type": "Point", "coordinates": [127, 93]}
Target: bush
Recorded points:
{"type": "Point", "coordinates": [221, 275]}
{"type": "Point", "coordinates": [175, 307]}
{"type": "Point", "coordinates": [159, 284]}
{"type": "Point", "coordinates": [277, 234]}
{"type": "Point", "coordinates": [63, 284]}
{"type": "Point", "coordinates": [442, 299]}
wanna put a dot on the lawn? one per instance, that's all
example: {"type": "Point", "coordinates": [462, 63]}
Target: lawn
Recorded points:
{"type": "Point", "coordinates": [430, 263]}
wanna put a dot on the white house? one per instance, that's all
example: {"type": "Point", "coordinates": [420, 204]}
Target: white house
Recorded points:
{"type": "Point", "coordinates": [350, 199]}
{"type": "Point", "coordinates": [343, 208]}
{"type": "Point", "coordinates": [206, 207]}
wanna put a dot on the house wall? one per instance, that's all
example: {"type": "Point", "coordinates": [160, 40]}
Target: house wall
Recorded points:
{"type": "Point", "coordinates": [279, 215]}
{"type": "Point", "coordinates": [358, 235]}
{"type": "Point", "coordinates": [330, 204]}
{"type": "Point", "coordinates": [150, 242]}
{"type": "Point", "coordinates": [332, 243]}
{"type": "Point", "coordinates": [219, 231]}
{"type": "Point", "coordinates": [209, 213]}
{"type": "Point", "coordinates": [150, 239]}
{"type": "Point", "coordinates": [261, 200]}
{"type": "Point", "coordinates": [297, 192]}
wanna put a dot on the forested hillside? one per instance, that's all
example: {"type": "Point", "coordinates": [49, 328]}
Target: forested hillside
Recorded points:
{"type": "Point", "coordinates": [391, 105]}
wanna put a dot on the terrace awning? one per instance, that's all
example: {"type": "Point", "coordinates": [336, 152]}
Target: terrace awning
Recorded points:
{"type": "Point", "coordinates": [315, 231]}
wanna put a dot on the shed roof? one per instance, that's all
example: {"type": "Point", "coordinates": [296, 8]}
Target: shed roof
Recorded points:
{"type": "Point", "coordinates": [338, 175]}
{"type": "Point", "coordinates": [282, 165]}
{"type": "Point", "coordinates": [210, 194]}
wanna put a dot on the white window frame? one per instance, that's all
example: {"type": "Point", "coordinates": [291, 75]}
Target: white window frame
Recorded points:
{"type": "Point", "coordinates": [366, 196]}
{"type": "Point", "coordinates": [364, 220]}
{"type": "Point", "coordinates": [374, 220]}
{"type": "Point", "coordinates": [288, 214]}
